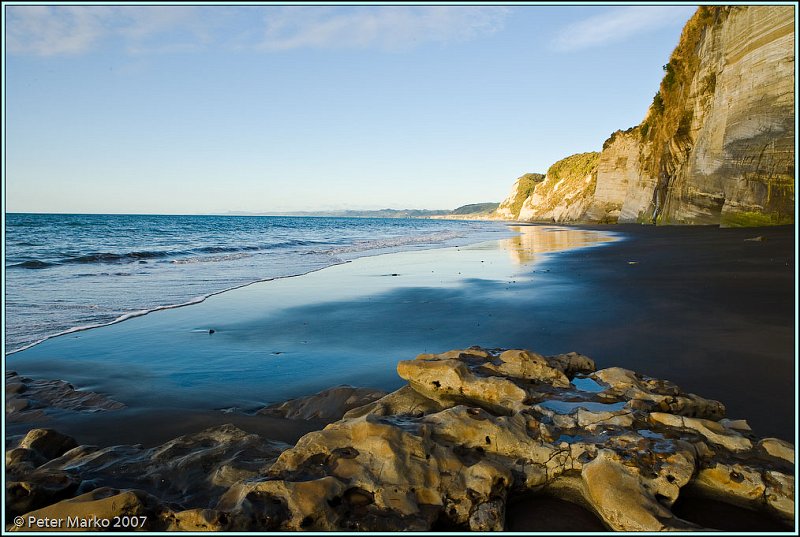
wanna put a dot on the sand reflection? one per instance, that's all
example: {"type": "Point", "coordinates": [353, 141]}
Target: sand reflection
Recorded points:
{"type": "Point", "coordinates": [534, 240]}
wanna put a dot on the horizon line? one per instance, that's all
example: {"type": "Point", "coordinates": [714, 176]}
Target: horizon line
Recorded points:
{"type": "Point", "coordinates": [228, 213]}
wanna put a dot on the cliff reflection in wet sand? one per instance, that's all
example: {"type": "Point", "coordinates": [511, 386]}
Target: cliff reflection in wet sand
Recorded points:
{"type": "Point", "coordinates": [539, 239]}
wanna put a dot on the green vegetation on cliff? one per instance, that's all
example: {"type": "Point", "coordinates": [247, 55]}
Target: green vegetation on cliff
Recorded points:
{"type": "Point", "coordinates": [754, 219]}
{"type": "Point", "coordinates": [715, 147]}
{"type": "Point", "coordinates": [576, 166]}
{"type": "Point", "coordinates": [527, 183]}
{"type": "Point", "coordinates": [567, 191]}
{"type": "Point", "coordinates": [476, 208]}
{"type": "Point", "coordinates": [610, 139]}
{"type": "Point", "coordinates": [668, 123]}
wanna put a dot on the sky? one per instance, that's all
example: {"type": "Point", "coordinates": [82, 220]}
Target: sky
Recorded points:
{"type": "Point", "coordinates": [196, 109]}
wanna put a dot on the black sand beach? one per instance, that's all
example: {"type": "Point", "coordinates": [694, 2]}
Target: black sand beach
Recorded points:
{"type": "Point", "coordinates": [701, 306]}
{"type": "Point", "coordinates": [709, 309]}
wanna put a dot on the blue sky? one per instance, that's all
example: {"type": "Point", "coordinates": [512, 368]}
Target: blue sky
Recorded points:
{"type": "Point", "coordinates": [202, 109]}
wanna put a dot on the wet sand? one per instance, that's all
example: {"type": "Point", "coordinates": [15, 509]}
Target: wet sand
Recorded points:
{"type": "Point", "coordinates": [702, 307]}
{"type": "Point", "coordinates": [696, 305]}
{"type": "Point", "coordinates": [152, 428]}
{"type": "Point", "coordinates": [272, 341]}
{"type": "Point", "coordinates": [540, 513]}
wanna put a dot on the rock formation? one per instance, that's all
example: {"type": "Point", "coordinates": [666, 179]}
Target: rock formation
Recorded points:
{"type": "Point", "coordinates": [192, 470]}
{"type": "Point", "coordinates": [330, 404]}
{"type": "Point", "coordinates": [510, 207]}
{"type": "Point", "coordinates": [716, 145]}
{"type": "Point", "coordinates": [30, 399]}
{"type": "Point", "coordinates": [565, 192]}
{"type": "Point", "coordinates": [471, 429]}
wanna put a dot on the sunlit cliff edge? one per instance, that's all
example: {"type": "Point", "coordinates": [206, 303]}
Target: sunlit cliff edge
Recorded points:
{"type": "Point", "coordinates": [715, 147]}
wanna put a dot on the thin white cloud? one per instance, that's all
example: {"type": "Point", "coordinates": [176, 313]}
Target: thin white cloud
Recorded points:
{"type": "Point", "coordinates": [46, 31]}
{"type": "Point", "coordinates": [383, 27]}
{"type": "Point", "coordinates": [618, 25]}
{"type": "Point", "coordinates": [140, 22]}
{"type": "Point", "coordinates": [70, 30]}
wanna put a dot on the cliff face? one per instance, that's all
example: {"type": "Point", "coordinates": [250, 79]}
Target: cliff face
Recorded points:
{"type": "Point", "coordinates": [617, 173]}
{"type": "Point", "coordinates": [566, 191]}
{"type": "Point", "coordinates": [717, 144]}
{"type": "Point", "coordinates": [523, 187]}
{"type": "Point", "coordinates": [720, 149]}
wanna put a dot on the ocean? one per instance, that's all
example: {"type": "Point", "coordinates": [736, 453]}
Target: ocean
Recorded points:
{"type": "Point", "coordinates": [68, 272]}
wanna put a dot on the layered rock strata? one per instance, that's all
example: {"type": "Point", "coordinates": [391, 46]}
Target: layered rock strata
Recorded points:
{"type": "Point", "coordinates": [471, 429]}
{"type": "Point", "coordinates": [510, 207]}
{"type": "Point", "coordinates": [565, 193]}
{"type": "Point", "coordinates": [717, 143]}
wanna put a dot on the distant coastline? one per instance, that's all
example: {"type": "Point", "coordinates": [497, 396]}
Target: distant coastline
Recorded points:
{"type": "Point", "coordinates": [473, 210]}
{"type": "Point", "coordinates": [379, 213]}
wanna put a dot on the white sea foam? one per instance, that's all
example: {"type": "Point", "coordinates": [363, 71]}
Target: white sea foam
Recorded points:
{"type": "Point", "coordinates": [169, 259]}
{"type": "Point", "coordinates": [140, 313]}
{"type": "Point", "coordinates": [396, 242]}
{"type": "Point", "coordinates": [210, 259]}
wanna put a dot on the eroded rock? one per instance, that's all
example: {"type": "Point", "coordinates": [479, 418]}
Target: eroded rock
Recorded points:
{"type": "Point", "coordinates": [329, 404]}
{"type": "Point", "coordinates": [494, 423]}
{"type": "Point", "coordinates": [191, 471]}
{"type": "Point", "coordinates": [713, 431]}
{"type": "Point", "coordinates": [96, 511]}
{"type": "Point", "coordinates": [30, 399]}
{"type": "Point", "coordinates": [404, 402]}
{"type": "Point", "coordinates": [472, 428]}
{"type": "Point", "coordinates": [778, 448]}
{"type": "Point", "coordinates": [47, 442]}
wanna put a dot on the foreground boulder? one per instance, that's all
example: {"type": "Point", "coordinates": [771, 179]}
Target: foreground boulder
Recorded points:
{"type": "Point", "coordinates": [471, 429]}
{"type": "Point", "coordinates": [191, 471]}
{"type": "Point", "coordinates": [475, 426]}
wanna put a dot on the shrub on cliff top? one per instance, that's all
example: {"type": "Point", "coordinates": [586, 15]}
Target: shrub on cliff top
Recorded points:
{"type": "Point", "coordinates": [575, 166]}
{"type": "Point", "coordinates": [669, 77]}
{"type": "Point", "coordinates": [527, 183]}
{"type": "Point", "coordinates": [658, 103]}
{"type": "Point", "coordinates": [614, 135]}
{"type": "Point", "coordinates": [532, 178]}
{"type": "Point", "coordinates": [610, 140]}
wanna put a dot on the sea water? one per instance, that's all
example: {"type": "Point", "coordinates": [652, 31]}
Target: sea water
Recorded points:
{"type": "Point", "coordinates": [67, 272]}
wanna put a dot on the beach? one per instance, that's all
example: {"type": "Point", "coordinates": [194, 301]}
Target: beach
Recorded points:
{"type": "Point", "coordinates": [709, 309]}
{"type": "Point", "coordinates": [290, 337]}
{"type": "Point", "coordinates": [701, 306]}
{"type": "Point", "coordinates": [383, 268]}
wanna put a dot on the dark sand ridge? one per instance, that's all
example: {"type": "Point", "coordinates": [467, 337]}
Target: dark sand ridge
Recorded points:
{"type": "Point", "coordinates": [700, 306]}
{"type": "Point", "coordinates": [703, 307]}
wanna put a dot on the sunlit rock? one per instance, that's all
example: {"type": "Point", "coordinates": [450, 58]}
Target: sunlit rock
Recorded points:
{"type": "Point", "coordinates": [497, 424]}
